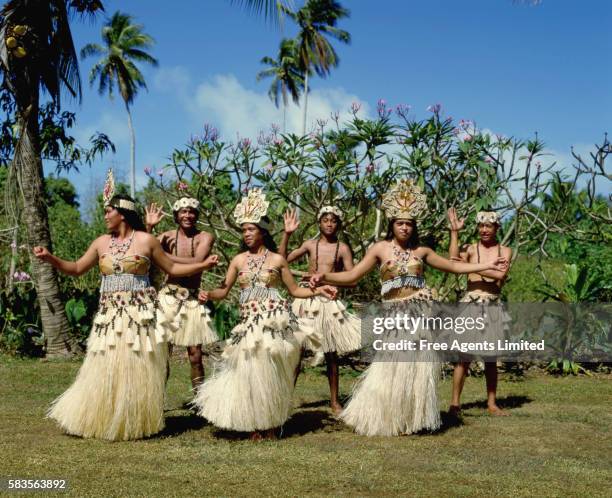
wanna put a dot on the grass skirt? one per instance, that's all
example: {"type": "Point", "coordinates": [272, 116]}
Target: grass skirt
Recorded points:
{"type": "Point", "coordinates": [186, 321]}
{"type": "Point", "coordinates": [396, 396]}
{"type": "Point", "coordinates": [251, 388]}
{"type": "Point", "coordinates": [119, 391]}
{"type": "Point", "coordinates": [338, 330]}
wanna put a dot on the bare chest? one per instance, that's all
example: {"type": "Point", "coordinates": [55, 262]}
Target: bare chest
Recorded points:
{"type": "Point", "coordinates": [324, 257]}
{"type": "Point", "coordinates": [181, 246]}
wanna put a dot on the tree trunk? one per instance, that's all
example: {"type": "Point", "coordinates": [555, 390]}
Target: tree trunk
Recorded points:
{"type": "Point", "coordinates": [305, 102]}
{"type": "Point", "coordinates": [29, 168]}
{"type": "Point", "coordinates": [284, 92]}
{"type": "Point", "coordinates": [13, 260]}
{"type": "Point", "coordinates": [132, 153]}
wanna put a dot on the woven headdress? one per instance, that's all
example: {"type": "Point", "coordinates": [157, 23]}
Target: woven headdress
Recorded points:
{"type": "Point", "coordinates": [186, 202]}
{"type": "Point", "coordinates": [487, 217]}
{"type": "Point", "coordinates": [330, 210]}
{"type": "Point", "coordinates": [252, 208]}
{"type": "Point", "coordinates": [109, 192]}
{"type": "Point", "coordinates": [405, 200]}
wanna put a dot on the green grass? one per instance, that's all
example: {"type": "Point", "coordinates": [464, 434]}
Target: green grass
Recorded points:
{"type": "Point", "coordinates": [556, 442]}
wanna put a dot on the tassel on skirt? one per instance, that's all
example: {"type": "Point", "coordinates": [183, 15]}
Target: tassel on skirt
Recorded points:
{"type": "Point", "coordinates": [338, 330]}
{"type": "Point", "coordinates": [251, 388]}
{"type": "Point", "coordinates": [397, 394]}
{"type": "Point", "coordinates": [118, 393]}
{"type": "Point", "coordinates": [183, 318]}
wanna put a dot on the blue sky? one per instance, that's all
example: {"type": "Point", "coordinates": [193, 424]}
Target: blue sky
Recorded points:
{"type": "Point", "coordinates": [514, 69]}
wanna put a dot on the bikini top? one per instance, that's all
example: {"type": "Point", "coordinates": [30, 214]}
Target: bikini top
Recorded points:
{"type": "Point", "coordinates": [403, 270]}
{"type": "Point", "coordinates": [133, 264]}
{"type": "Point", "coordinates": [125, 273]}
{"type": "Point", "coordinates": [265, 277]}
{"type": "Point", "coordinates": [392, 269]}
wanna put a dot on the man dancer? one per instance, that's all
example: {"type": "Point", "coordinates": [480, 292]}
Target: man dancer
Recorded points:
{"type": "Point", "coordinates": [340, 331]}
{"type": "Point", "coordinates": [179, 313]}
{"type": "Point", "coordinates": [483, 287]}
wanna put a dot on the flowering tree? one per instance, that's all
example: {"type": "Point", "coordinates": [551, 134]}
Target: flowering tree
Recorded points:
{"type": "Point", "coordinates": [351, 164]}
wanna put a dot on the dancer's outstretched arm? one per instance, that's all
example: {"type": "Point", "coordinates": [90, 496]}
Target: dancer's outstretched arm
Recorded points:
{"type": "Point", "coordinates": [74, 268]}
{"type": "Point", "coordinates": [436, 261]}
{"type": "Point", "coordinates": [351, 277]}
{"type": "Point", "coordinates": [172, 268]}
{"type": "Point", "coordinates": [300, 292]}
{"type": "Point", "coordinates": [222, 291]}
{"type": "Point", "coordinates": [201, 252]}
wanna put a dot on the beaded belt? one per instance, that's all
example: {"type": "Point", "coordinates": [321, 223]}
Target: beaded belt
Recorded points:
{"type": "Point", "coordinates": [124, 282]}
{"type": "Point", "coordinates": [258, 293]}
{"type": "Point", "coordinates": [415, 281]}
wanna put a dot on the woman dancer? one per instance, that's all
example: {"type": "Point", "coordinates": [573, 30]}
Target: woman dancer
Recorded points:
{"type": "Point", "coordinates": [119, 391]}
{"type": "Point", "coordinates": [252, 388]}
{"type": "Point", "coordinates": [399, 397]}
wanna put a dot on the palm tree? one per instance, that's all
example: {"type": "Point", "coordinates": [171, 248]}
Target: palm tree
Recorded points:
{"type": "Point", "coordinates": [124, 44]}
{"type": "Point", "coordinates": [37, 51]}
{"type": "Point", "coordinates": [286, 74]}
{"type": "Point", "coordinates": [316, 20]}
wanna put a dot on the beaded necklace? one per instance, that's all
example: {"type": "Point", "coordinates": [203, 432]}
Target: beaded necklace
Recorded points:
{"type": "Point", "coordinates": [401, 257]}
{"type": "Point", "coordinates": [118, 249]}
{"type": "Point", "coordinates": [255, 265]}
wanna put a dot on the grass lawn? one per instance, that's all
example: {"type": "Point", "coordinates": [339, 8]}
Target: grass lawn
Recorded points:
{"type": "Point", "coordinates": [557, 442]}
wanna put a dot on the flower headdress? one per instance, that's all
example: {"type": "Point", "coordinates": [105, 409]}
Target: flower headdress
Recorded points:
{"type": "Point", "coordinates": [487, 217]}
{"type": "Point", "coordinates": [252, 209]}
{"type": "Point", "coordinates": [186, 202]}
{"type": "Point", "coordinates": [405, 200]}
{"type": "Point", "coordinates": [109, 192]}
{"type": "Point", "coordinates": [330, 210]}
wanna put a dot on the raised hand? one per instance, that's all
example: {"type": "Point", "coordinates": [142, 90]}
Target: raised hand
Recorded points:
{"type": "Point", "coordinates": [455, 223]}
{"type": "Point", "coordinates": [328, 291]}
{"type": "Point", "coordinates": [291, 221]}
{"type": "Point", "coordinates": [203, 296]}
{"type": "Point", "coordinates": [41, 253]}
{"type": "Point", "coordinates": [211, 261]}
{"type": "Point", "coordinates": [153, 215]}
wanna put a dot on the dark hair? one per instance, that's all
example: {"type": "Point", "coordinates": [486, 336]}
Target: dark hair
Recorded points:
{"type": "Point", "coordinates": [132, 218]}
{"type": "Point", "coordinates": [268, 241]}
{"type": "Point", "coordinates": [338, 221]}
{"type": "Point", "coordinates": [175, 214]}
{"type": "Point", "coordinates": [414, 237]}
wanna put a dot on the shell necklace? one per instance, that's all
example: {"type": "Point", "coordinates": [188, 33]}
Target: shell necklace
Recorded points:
{"type": "Point", "coordinates": [118, 249]}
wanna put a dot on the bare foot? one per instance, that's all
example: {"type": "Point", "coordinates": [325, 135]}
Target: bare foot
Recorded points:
{"type": "Point", "coordinates": [454, 411]}
{"type": "Point", "coordinates": [496, 411]}
{"type": "Point", "coordinates": [336, 409]}
{"type": "Point", "coordinates": [256, 436]}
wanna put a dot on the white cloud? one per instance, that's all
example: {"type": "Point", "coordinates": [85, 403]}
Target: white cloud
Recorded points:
{"type": "Point", "coordinates": [176, 79]}
{"type": "Point", "coordinates": [234, 109]}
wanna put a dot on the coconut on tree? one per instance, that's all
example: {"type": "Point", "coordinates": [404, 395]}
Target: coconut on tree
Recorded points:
{"type": "Point", "coordinates": [124, 45]}
{"type": "Point", "coordinates": [287, 80]}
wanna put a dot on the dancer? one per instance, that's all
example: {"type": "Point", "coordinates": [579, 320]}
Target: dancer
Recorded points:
{"type": "Point", "coordinates": [252, 388]}
{"type": "Point", "coordinates": [118, 393]}
{"type": "Point", "coordinates": [184, 318]}
{"type": "Point", "coordinates": [399, 397]}
{"type": "Point", "coordinates": [340, 330]}
{"type": "Point", "coordinates": [482, 287]}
